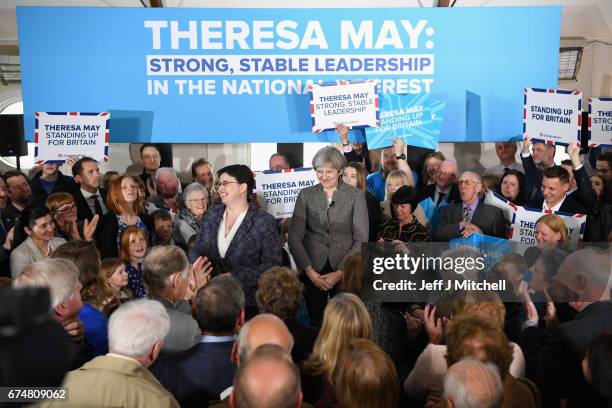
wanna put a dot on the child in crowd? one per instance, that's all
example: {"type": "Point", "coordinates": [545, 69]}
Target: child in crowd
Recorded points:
{"type": "Point", "coordinates": [115, 276]}
{"type": "Point", "coordinates": [132, 249]}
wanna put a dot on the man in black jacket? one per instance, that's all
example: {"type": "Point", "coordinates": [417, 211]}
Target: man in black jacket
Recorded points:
{"type": "Point", "coordinates": [89, 198]}
{"type": "Point", "coordinates": [555, 185]}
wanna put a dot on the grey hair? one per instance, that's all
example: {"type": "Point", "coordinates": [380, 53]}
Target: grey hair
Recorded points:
{"type": "Point", "coordinates": [168, 170]}
{"type": "Point", "coordinates": [474, 175]}
{"type": "Point", "coordinates": [329, 155]}
{"type": "Point", "coordinates": [193, 188]}
{"type": "Point", "coordinates": [161, 263]}
{"type": "Point", "coordinates": [136, 326]}
{"type": "Point", "coordinates": [244, 348]}
{"type": "Point", "coordinates": [60, 275]}
{"type": "Point", "coordinates": [476, 384]}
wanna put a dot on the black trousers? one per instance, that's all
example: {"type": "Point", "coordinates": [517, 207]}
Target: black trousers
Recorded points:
{"type": "Point", "coordinates": [316, 299]}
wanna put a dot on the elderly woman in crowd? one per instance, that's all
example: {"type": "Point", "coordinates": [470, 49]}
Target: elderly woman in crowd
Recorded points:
{"type": "Point", "coordinates": [189, 219]}
{"type": "Point", "coordinates": [236, 236]}
{"type": "Point", "coordinates": [64, 213]}
{"type": "Point", "coordinates": [346, 318]}
{"type": "Point", "coordinates": [355, 175]}
{"type": "Point", "coordinates": [329, 223]}
{"type": "Point", "coordinates": [125, 207]}
{"type": "Point", "coordinates": [403, 225]}
{"type": "Point", "coordinates": [551, 231]}
{"type": "Point", "coordinates": [34, 240]}
{"type": "Point", "coordinates": [512, 186]}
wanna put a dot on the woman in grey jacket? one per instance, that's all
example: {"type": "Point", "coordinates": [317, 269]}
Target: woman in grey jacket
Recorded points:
{"type": "Point", "coordinates": [330, 221]}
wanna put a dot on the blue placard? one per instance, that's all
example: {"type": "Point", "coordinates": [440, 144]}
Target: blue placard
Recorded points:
{"type": "Point", "coordinates": [242, 75]}
{"type": "Point", "coordinates": [414, 118]}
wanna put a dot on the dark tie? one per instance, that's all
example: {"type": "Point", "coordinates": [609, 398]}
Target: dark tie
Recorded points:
{"type": "Point", "coordinates": [440, 198]}
{"type": "Point", "coordinates": [466, 214]}
{"type": "Point", "coordinates": [97, 205]}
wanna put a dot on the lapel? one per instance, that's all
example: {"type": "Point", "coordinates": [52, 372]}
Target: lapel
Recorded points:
{"type": "Point", "coordinates": [82, 205]}
{"type": "Point", "coordinates": [243, 230]}
{"type": "Point", "coordinates": [210, 223]}
{"type": "Point", "coordinates": [478, 214]}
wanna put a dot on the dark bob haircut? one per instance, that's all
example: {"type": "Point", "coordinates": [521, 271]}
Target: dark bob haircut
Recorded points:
{"type": "Point", "coordinates": [242, 174]}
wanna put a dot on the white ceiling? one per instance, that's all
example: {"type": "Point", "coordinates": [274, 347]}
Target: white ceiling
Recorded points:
{"type": "Point", "coordinates": [589, 19]}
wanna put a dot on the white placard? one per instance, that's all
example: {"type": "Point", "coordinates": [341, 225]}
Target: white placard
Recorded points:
{"type": "Point", "coordinates": [277, 190]}
{"type": "Point", "coordinates": [354, 104]}
{"type": "Point", "coordinates": [60, 135]}
{"type": "Point", "coordinates": [600, 121]}
{"type": "Point", "coordinates": [525, 221]}
{"type": "Point", "coordinates": [552, 116]}
{"type": "Point", "coordinates": [507, 207]}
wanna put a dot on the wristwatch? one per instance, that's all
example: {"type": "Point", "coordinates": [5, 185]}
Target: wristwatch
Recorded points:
{"type": "Point", "coordinates": [401, 156]}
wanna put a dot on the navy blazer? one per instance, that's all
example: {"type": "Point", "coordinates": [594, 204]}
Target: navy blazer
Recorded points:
{"type": "Point", "coordinates": [198, 375]}
{"type": "Point", "coordinates": [255, 248]}
{"type": "Point", "coordinates": [569, 205]}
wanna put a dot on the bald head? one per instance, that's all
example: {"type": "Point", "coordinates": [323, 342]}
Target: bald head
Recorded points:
{"type": "Point", "coordinates": [446, 174]}
{"type": "Point", "coordinates": [268, 380]}
{"type": "Point", "coordinates": [470, 383]}
{"type": "Point", "coordinates": [262, 329]}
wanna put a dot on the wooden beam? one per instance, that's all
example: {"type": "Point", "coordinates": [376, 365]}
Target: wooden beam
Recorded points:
{"type": "Point", "coordinates": [157, 3]}
{"type": "Point", "coordinates": [444, 3]}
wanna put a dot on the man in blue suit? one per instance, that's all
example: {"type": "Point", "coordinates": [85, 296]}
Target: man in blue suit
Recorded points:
{"type": "Point", "coordinates": [198, 375]}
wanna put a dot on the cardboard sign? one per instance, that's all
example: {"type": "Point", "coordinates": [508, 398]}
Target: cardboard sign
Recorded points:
{"type": "Point", "coordinates": [415, 118]}
{"type": "Point", "coordinates": [277, 190]}
{"type": "Point", "coordinates": [59, 135]}
{"type": "Point", "coordinates": [600, 121]}
{"type": "Point", "coordinates": [552, 116]}
{"type": "Point", "coordinates": [525, 223]}
{"type": "Point", "coordinates": [354, 104]}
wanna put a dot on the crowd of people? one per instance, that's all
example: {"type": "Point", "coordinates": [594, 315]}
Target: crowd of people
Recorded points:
{"type": "Point", "coordinates": [163, 294]}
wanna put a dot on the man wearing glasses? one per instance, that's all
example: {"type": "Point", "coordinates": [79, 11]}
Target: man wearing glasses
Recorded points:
{"type": "Point", "coordinates": [471, 215]}
{"type": "Point", "coordinates": [151, 160]}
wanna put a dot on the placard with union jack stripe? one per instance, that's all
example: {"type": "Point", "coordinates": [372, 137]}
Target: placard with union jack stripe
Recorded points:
{"type": "Point", "coordinates": [60, 135]}
{"type": "Point", "coordinates": [600, 122]}
{"type": "Point", "coordinates": [552, 116]}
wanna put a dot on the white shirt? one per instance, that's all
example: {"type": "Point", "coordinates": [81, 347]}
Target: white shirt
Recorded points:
{"type": "Point", "coordinates": [87, 195]}
{"type": "Point", "coordinates": [223, 241]}
{"type": "Point", "coordinates": [555, 208]}
{"type": "Point", "coordinates": [499, 169]}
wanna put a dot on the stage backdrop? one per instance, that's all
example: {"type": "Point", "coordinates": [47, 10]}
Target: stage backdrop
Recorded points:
{"type": "Point", "coordinates": [241, 75]}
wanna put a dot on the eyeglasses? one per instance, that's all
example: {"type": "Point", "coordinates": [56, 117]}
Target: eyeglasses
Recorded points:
{"type": "Point", "coordinates": [468, 182]}
{"type": "Point", "coordinates": [225, 183]}
{"type": "Point", "coordinates": [199, 200]}
{"type": "Point", "coordinates": [70, 207]}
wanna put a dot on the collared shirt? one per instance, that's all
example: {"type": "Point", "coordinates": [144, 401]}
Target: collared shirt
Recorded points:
{"type": "Point", "coordinates": [437, 194]}
{"type": "Point", "coordinates": [472, 208]}
{"type": "Point", "coordinates": [555, 208]}
{"type": "Point", "coordinates": [223, 241]}
{"type": "Point", "coordinates": [217, 339]}
{"type": "Point", "coordinates": [87, 196]}
{"type": "Point", "coordinates": [499, 169]}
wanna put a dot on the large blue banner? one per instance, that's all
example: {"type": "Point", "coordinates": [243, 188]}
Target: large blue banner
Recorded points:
{"type": "Point", "coordinates": [242, 75]}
